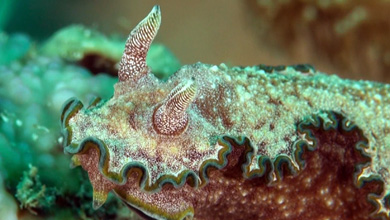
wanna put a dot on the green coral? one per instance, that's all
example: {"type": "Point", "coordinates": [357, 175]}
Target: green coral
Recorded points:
{"type": "Point", "coordinates": [13, 47]}
{"type": "Point", "coordinates": [76, 41]}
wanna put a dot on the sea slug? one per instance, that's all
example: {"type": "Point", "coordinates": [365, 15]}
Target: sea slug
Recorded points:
{"type": "Point", "coordinates": [212, 142]}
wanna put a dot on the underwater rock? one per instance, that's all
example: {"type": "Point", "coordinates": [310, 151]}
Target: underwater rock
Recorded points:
{"type": "Point", "coordinates": [212, 142]}
{"type": "Point", "coordinates": [352, 36]}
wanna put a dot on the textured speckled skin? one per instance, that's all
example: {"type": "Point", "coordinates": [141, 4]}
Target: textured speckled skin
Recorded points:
{"type": "Point", "coordinates": [239, 120]}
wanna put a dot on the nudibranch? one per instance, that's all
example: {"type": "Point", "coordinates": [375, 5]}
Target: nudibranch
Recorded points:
{"type": "Point", "coordinates": [212, 142]}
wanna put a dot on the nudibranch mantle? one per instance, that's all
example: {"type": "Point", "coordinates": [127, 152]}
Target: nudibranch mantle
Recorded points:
{"type": "Point", "coordinates": [159, 145]}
